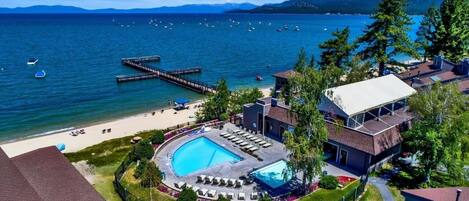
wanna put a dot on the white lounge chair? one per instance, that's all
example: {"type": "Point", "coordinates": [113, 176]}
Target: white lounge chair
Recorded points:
{"type": "Point", "coordinates": [243, 144]}
{"type": "Point", "coordinates": [180, 185]}
{"type": "Point", "coordinates": [216, 180]}
{"type": "Point", "coordinates": [227, 135]}
{"type": "Point", "coordinates": [203, 191]}
{"type": "Point", "coordinates": [257, 140]}
{"type": "Point", "coordinates": [249, 136]}
{"type": "Point", "coordinates": [222, 194]}
{"type": "Point", "coordinates": [239, 182]}
{"type": "Point", "coordinates": [212, 193]}
{"type": "Point", "coordinates": [230, 196]}
{"type": "Point", "coordinates": [248, 146]}
{"type": "Point", "coordinates": [254, 196]}
{"type": "Point", "coordinates": [231, 137]}
{"type": "Point", "coordinates": [262, 142]}
{"type": "Point", "coordinates": [209, 179]}
{"type": "Point", "coordinates": [253, 149]}
{"type": "Point", "coordinates": [188, 186]}
{"type": "Point", "coordinates": [232, 182]}
{"type": "Point", "coordinates": [239, 141]}
{"type": "Point", "coordinates": [241, 196]}
{"type": "Point", "coordinates": [266, 145]}
{"type": "Point", "coordinates": [224, 181]}
{"type": "Point", "coordinates": [253, 138]}
{"type": "Point", "coordinates": [235, 139]}
{"type": "Point", "coordinates": [195, 189]}
{"type": "Point", "coordinates": [201, 178]}
{"type": "Point", "coordinates": [245, 134]}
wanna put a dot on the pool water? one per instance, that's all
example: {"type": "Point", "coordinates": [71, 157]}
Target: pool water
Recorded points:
{"type": "Point", "coordinates": [198, 154]}
{"type": "Point", "coordinates": [273, 174]}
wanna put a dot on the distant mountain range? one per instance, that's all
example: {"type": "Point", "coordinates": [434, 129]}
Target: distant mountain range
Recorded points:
{"type": "Point", "coordinates": [336, 6]}
{"type": "Point", "coordinates": [193, 8]}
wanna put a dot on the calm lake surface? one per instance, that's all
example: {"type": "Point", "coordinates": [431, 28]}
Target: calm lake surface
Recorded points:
{"type": "Point", "coordinates": [81, 55]}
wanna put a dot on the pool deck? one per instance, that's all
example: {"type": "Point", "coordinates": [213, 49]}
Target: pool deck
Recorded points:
{"type": "Point", "coordinates": [227, 170]}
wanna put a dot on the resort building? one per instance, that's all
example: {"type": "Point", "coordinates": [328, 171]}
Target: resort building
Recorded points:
{"type": "Point", "coordinates": [42, 175]}
{"type": "Point", "coordinates": [437, 194]}
{"type": "Point", "coordinates": [364, 120]}
{"type": "Point", "coordinates": [426, 74]}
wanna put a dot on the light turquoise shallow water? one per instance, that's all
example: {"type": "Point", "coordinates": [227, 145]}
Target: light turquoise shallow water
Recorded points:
{"type": "Point", "coordinates": [81, 55]}
{"type": "Point", "coordinates": [199, 154]}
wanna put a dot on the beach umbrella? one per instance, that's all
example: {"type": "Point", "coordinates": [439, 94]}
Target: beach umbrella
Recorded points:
{"type": "Point", "coordinates": [60, 146]}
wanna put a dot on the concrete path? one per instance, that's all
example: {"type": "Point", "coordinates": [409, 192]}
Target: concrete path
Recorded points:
{"type": "Point", "coordinates": [382, 187]}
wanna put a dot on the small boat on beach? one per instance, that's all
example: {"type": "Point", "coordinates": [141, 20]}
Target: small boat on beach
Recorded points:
{"type": "Point", "coordinates": [40, 74]}
{"type": "Point", "coordinates": [32, 61]}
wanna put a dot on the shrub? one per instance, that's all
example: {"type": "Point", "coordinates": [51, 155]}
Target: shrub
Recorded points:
{"type": "Point", "coordinates": [142, 166]}
{"type": "Point", "coordinates": [224, 117]}
{"type": "Point", "coordinates": [265, 198]}
{"type": "Point", "coordinates": [187, 195]}
{"type": "Point", "coordinates": [328, 182]}
{"type": "Point", "coordinates": [157, 138]}
{"type": "Point", "coordinates": [221, 198]}
{"type": "Point", "coordinates": [142, 150]}
{"type": "Point", "coordinates": [151, 177]}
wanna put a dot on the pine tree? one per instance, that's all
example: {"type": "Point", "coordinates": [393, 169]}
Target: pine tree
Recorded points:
{"type": "Point", "coordinates": [446, 31]}
{"type": "Point", "coordinates": [337, 51]}
{"type": "Point", "coordinates": [387, 35]}
{"type": "Point", "coordinates": [426, 35]}
{"type": "Point", "coordinates": [454, 29]}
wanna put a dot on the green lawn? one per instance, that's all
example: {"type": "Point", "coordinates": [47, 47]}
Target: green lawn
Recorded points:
{"type": "Point", "coordinates": [331, 195]}
{"type": "Point", "coordinates": [106, 157]}
{"type": "Point", "coordinates": [396, 193]}
{"type": "Point", "coordinates": [371, 194]}
{"type": "Point", "coordinates": [133, 186]}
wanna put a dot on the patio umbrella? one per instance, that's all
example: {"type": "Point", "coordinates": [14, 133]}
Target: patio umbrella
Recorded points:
{"type": "Point", "coordinates": [60, 146]}
{"type": "Point", "coordinates": [182, 101]}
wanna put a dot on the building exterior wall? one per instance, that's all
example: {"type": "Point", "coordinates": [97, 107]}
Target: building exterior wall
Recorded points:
{"type": "Point", "coordinates": [274, 128]}
{"type": "Point", "coordinates": [356, 159]}
{"type": "Point", "coordinates": [251, 113]}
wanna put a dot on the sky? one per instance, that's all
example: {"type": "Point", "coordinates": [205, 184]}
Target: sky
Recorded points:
{"type": "Point", "coordinates": [122, 4]}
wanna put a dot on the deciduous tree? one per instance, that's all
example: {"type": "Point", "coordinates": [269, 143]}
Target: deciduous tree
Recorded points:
{"type": "Point", "coordinates": [439, 135]}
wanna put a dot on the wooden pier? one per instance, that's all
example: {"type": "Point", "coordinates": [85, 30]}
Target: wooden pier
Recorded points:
{"type": "Point", "coordinates": [152, 58]}
{"type": "Point", "coordinates": [145, 76]}
{"type": "Point", "coordinates": [140, 64]}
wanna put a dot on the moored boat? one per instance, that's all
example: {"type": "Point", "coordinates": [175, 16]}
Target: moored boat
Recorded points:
{"type": "Point", "coordinates": [40, 74]}
{"type": "Point", "coordinates": [32, 61]}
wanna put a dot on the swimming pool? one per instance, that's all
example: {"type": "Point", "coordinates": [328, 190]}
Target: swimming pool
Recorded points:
{"type": "Point", "coordinates": [198, 154]}
{"type": "Point", "coordinates": [273, 174]}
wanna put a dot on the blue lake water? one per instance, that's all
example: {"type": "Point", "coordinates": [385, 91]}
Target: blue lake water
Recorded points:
{"type": "Point", "coordinates": [81, 55]}
{"type": "Point", "coordinates": [209, 154]}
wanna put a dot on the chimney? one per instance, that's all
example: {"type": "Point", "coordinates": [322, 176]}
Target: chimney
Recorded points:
{"type": "Point", "coordinates": [438, 62]}
{"type": "Point", "coordinates": [464, 68]}
{"type": "Point", "coordinates": [274, 102]}
{"type": "Point", "coordinates": [458, 194]}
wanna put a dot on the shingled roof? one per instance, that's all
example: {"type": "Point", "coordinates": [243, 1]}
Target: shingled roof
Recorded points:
{"type": "Point", "coordinates": [43, 175]}
{"type": "Point", "coordinates": [437, 194]}
{"type": "Point", "coordinates": [370, 143]}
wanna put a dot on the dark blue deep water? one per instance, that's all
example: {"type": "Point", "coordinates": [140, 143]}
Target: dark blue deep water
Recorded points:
{"type": "Point", "coordinates": [81, 55]}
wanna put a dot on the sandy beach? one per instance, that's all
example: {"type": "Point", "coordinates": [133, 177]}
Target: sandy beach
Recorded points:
{"type": "Point", "coordinates": [119, 128]}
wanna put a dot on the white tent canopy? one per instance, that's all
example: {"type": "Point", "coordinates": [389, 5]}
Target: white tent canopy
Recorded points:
{"type": "Point", "coordinates": [361, 96]}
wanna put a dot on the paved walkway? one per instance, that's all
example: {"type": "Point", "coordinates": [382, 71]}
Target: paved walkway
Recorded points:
{"type": "Point", "coordinates": [382, 187]}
